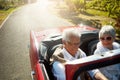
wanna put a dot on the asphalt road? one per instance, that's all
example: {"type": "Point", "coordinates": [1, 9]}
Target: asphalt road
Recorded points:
{"type": "Point", "coordinates": [14, 37]}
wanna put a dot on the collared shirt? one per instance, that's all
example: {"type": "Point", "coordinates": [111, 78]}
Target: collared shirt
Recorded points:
{"type": "Point", "coordinates": [68, 57]}
{"type": "Point", "coordinates": [59, 69]}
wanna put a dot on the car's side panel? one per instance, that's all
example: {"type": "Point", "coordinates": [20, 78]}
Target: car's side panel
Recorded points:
{"type": "Point", "coordinates": [38, 72]}
{"type": "Point", "coordinates": [33, 50]}
{"type": "Point", "coordinates": [34, 58]}
{"type": "Point", "coordinates": [74, 68]}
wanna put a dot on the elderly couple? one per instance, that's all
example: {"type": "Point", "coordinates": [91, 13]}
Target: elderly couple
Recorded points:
{"type": "Point", "coordinates": [70, 51]}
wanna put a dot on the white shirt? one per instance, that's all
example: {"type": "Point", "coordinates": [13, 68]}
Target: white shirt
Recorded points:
{"type": "Point", "coordinates": [59, 69]}
{"type": "Point", "coordinates": [111, 72]}
{"type": "Point", "coordinates": [68, 57]}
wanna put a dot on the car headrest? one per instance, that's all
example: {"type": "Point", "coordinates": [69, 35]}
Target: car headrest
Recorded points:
{"type": "Point", "coordinates": [48, 46]}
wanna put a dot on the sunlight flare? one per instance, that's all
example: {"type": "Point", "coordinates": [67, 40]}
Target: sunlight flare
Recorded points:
{"type": "Point", "coordinates": [43, 3]}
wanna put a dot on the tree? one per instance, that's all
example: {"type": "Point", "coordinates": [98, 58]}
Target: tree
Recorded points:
{"type": "Point", "coordinates": [77, 5]}
{"type": "Point", "coordinates": [6, 4]}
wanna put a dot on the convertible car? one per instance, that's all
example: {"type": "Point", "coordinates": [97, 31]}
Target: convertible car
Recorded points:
{"type": "Point", "coordinates": [43, 43]}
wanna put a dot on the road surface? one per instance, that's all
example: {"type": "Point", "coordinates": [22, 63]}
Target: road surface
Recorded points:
{"type": "Point", "coordinates": [14, 37]}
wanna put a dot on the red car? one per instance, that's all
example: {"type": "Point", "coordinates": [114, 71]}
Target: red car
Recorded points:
{"type": "Point", "coordinates": [44, 42]}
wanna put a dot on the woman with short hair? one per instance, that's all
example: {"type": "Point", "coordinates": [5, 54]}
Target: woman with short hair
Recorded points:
{"type": "Point", "coordinates": [107, 43]}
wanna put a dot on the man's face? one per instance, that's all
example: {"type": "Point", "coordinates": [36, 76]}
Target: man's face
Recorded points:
{"type": "Point", "coordinates": [72, 45]}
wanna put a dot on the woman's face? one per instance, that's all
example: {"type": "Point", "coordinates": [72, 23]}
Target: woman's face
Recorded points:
{"type": "Point", "coordinates": [107, 41]}
{"type": "Point", "coordinates": [72, 45]}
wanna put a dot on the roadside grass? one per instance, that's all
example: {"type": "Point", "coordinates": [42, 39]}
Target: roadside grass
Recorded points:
{"type": "Point", "coordinates": [102, 14]}
{"type": "Point", "coordinates": [4, 14]}
{"type": "Point", "coordinates": [97, 12]}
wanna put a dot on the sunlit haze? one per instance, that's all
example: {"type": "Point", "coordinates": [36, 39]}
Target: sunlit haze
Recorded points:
{"type": "Point", "coordinates": [43, 3]}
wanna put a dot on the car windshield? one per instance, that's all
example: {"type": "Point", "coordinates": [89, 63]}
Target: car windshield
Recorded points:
{"type": "Point", "coordinates": [107, 63]}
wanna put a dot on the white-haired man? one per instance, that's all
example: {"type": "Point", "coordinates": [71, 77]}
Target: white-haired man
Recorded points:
{"type": "Point", "coordinates": [68, 52]}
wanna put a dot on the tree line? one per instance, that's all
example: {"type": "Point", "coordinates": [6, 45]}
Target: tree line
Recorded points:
{"type": "Point", "coordinates": [6, 4]}
{"type": "Point", "coordinates": [112, 7]}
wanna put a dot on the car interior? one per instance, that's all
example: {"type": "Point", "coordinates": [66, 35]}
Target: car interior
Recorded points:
{"type": "Point", "coordinates": [48, 46]}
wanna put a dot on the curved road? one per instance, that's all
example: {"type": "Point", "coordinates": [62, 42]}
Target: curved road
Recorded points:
{"type": "Point", "coordinates": [14, 37]}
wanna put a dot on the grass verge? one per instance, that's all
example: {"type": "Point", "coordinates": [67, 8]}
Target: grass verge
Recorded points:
{"type": "Point", "coordinates": [4, 14]}
{"type": "Point", "coordinates": [97, 12]}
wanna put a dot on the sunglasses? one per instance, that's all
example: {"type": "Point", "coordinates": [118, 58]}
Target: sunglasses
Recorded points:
{"type": "Point", "coordinates": [76, 44]}
{"type": "Point", "coordinates": [106, 38]}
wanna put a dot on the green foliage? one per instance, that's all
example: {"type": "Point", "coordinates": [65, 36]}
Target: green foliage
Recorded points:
{"type": "Point", "coordinates": [80, 5]}
{"type": "Point", "coordinates": [110, 8]}
{"type": "Point", "coordinates": [113, 9]}
{"type": "Point", "coordinates": [76, 5]}
{"type": "Point", "coordinates": [6, 4]}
